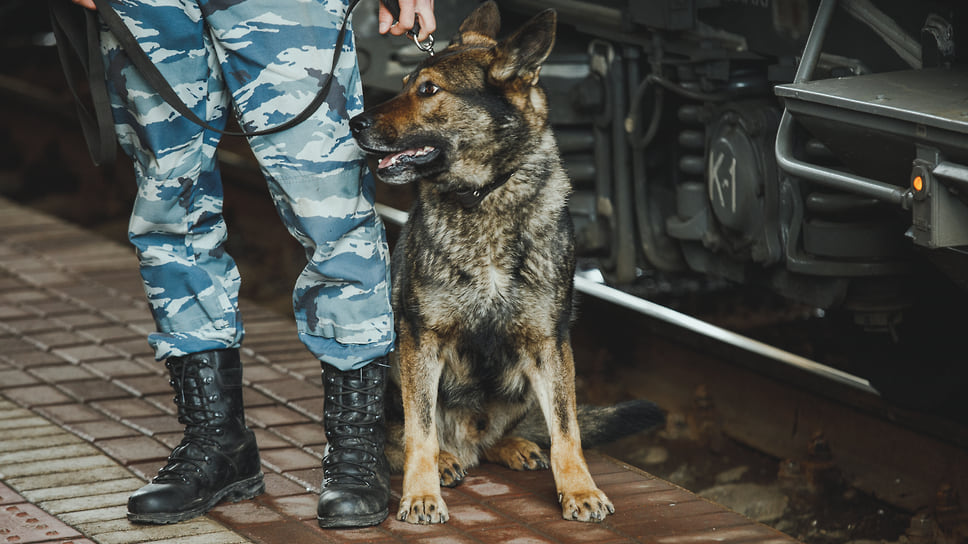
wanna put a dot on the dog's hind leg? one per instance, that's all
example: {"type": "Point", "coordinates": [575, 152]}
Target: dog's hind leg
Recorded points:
{"type": "Point", "coordinates": [451, 472]}
{"type": "Point", "coordinates": [517, 454]}
{"type": "Point", "coordinates": [553, 380]}
{"type": "Point", "coordinates": [420, 369]}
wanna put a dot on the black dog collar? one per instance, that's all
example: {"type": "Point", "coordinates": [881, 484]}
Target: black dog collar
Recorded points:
{"type": "Point", "coordinates": [470, 198]}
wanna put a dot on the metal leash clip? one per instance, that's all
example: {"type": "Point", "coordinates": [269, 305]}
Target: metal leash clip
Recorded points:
{"type": "Point", "coordinates": [393, 6]}
{"type": "Point", "coordinates": [427, 46]}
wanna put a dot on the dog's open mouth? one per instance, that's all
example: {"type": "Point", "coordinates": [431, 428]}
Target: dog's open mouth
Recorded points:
{"type": "Point", "coordinates": [407, 157]}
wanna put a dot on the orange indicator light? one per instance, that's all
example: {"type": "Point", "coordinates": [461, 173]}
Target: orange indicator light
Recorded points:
{"type": "Point", "coordinates": [918, 183]}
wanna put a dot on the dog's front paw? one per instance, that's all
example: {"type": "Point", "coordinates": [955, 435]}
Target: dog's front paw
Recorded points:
{"type": "Point", "coordinates": [423, 510]}
{"type": "Point", "coordinates": [590, 505]}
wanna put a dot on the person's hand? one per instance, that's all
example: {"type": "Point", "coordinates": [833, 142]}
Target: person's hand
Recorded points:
{"type": "Point", "coordinates": [89, 4]}
{"type": "Point", "coordinates": [410, 10]}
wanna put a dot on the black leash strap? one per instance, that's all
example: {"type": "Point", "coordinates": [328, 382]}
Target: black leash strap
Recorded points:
{"type": "Point", "coordinates": [153, 76]}
{"type": "Point", "coordinates": [77, 32]}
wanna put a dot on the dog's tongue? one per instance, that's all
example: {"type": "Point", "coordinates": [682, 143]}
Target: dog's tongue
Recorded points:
{"type": "Point", "coordinates": [408, 154]}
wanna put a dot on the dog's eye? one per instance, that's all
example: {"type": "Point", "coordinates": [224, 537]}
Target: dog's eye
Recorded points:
{"type": "Point", "coordinates": [427, 89]}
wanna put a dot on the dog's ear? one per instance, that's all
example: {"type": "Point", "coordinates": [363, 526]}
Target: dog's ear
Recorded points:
{"type": "Point", "coordinates": [521, 54]}
{"type": "Point", "coordinates": [485, 20]}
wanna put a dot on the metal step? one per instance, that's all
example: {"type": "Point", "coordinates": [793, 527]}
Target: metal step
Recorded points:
{"type": "Point", "coordinates": [932, 98]}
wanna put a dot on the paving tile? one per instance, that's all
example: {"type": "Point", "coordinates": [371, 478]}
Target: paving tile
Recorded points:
{"type": "Point", "coordinates": [269, 440]}
{"type": "Point", "coordinates": [301, 506]}
{"type": "Point", "coordinates": [244, 513]}
{"type": "Point", "coordinates": [26, 523]}
{"type": "Point", "coordinates": [118, 368]}
{"type": "Point", "coordinates": [101, 429]}
{"type": "Point", "coordinates": [56, 339]}
{"type": "Point", "coordinates": [304, 434]}
{"type": "Point", "coordinates": [146, 470]}
{"type": "Point", "coordinates": [575, 532]}
{"type": "Point", "coordinates": [308, 478]}
{"type": "Point", "coordinates": [376, 534]}
{"type": "Point", "coordinates": [64, 451]}
{"type": "Point", "coordinates": [146, 385]}
{"type": "Point", "coordinates": [474, 516]}
{"type": "Point", "coordinates": [78, 519]}
{"type": "Point", "coordinates": [127, 484]}
{"type": "Point", "coordinates": [11, 346]}
{"type": "Point", "coordinates": [134, 449]}
{"type": "Point", "coordinates": [15, 378]}
{"type": "Point", "coordinates": [280, 486]}
{"type": "Point", "coordinates": [66, 476]}
{"type": "Point", "coordinates": [77, 504]}
{"type": "Point", "coordinates": [84, 353]}
{"type": "Point", "coordinates": [271, 533]}
{"type": "Point", "coordinates": [37, 442]}
{"type": "Point", "coordinates": [69, 413]}
{"type": "Point", "coordinates": [93, 390]}
{"type": "Point", "coordinates": [39, 468]}
{"type": "Point", "coordinates": [290, 389]}
{"type": "Point", "coordinates": [37, 395]}
{"type": "Point", "coordinates": [32, 325]}
{"type": "Point", "coordinates": [484, 487]}
{"type": "Point", "coordinates": [410, 531]}
{"type": "Point", "coordinates": [312, 408]}
{"type": "Point", "coordinates": [61, 373]}
{"type": "Point", "coordinates": [30, 358]}
{"type": "Point", "coordinates": [156, 425]}
{"type": "Point", "coordinates": [9, 312]}
{"type": "Point", "coordinates": [260, 372]}
{"type": "Point", "coordinates": [9, 496]}
{"type": "Point", "coordinates": [27, 419]}
{"type": "Point", "coordinates": [528, 508]}
{"type": "Point", "coordinates": [135, 347]}
{"type": "Point", "coordinates": [110, 333]}
{"type": "Point", "coordinates": [79, 320]}
{"type": "Point", "coordinates": [267, 416]}
{"type": "Point", "coordinates": [127, 407]}
{"type": "Point", "coordinates": [199, 529]}
{"type": "Point", "coordinates": [289, 459]}
{"type": "Point", "coordinates": [518, 534]}
{"type": "Point", "coordinates": [252, 398]}
{"type": "Point", "coordinates": [170, 440]}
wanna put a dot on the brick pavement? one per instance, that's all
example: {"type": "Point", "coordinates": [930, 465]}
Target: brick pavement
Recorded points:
{"type": "Point", "coordinates": [86, 417]}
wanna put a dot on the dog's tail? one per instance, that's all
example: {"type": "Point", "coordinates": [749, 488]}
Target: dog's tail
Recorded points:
{"type": "Point", "coordinates": [598, 424]}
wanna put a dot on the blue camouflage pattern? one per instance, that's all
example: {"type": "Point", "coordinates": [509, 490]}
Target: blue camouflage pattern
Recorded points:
{"type": "Point", "coordinates": [265, 59]}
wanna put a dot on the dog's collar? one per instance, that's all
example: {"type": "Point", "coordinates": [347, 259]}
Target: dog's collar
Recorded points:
{"type": "Point", "coordinates": [471, 198]}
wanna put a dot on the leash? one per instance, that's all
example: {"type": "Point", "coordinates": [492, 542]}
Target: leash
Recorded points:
{"type": "Point", "coordinates": [154, 77]}
{"type": "Point", "coordinates": [77, 32]}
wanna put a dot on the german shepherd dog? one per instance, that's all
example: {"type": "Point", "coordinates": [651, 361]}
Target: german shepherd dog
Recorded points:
{"type": "Point", "coordinates": [483, 275]}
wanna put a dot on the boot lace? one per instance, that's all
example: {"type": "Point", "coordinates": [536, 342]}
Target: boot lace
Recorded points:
{"type": "Point", "coordinates": [199, 444]}
{"type": "Point", "coordinates": [353, 452]}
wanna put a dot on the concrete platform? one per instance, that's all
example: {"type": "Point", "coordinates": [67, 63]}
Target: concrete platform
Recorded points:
{"type": "Point", "coordinates": [86, 417]}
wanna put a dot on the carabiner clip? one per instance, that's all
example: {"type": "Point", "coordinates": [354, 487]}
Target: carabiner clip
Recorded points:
{"type": "Point", "coordinates": [427, 46]}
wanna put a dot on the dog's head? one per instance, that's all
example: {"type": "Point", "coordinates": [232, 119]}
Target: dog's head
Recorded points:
{"type": "Point", "coordinates": [467, 114]}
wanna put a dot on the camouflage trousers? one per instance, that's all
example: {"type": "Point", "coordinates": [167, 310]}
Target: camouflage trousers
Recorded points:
{"type": "Point", "coordinates": [266, 60]}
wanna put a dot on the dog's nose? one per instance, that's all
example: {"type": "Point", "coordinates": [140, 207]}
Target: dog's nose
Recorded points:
{"type": "Point", "coordinates": [360, 123]}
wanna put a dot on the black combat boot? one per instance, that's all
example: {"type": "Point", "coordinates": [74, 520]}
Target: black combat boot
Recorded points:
{"type": "Point", "coordinates": [218, 458]}
{"type": "Point", "coordinates": [356, 476]}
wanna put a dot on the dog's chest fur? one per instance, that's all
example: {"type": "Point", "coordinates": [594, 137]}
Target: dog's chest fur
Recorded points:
{"type": "Point", "coordinates": [489, 280]}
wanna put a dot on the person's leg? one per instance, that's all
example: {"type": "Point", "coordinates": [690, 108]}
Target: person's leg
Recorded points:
{"type": "Point", "coordinates": [315, 176]}
{"type": "Point", "coordinates": [191, 284]}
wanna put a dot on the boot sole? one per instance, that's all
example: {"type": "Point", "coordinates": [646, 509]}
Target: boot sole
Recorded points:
{"type": "Point", "coordinates": [346, 522]}
{"type": "Point", "coordinates": [239, 491]}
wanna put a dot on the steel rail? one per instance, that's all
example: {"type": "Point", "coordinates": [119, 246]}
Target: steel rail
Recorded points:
{"type": "Point", "coordinates": [657, 311]}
